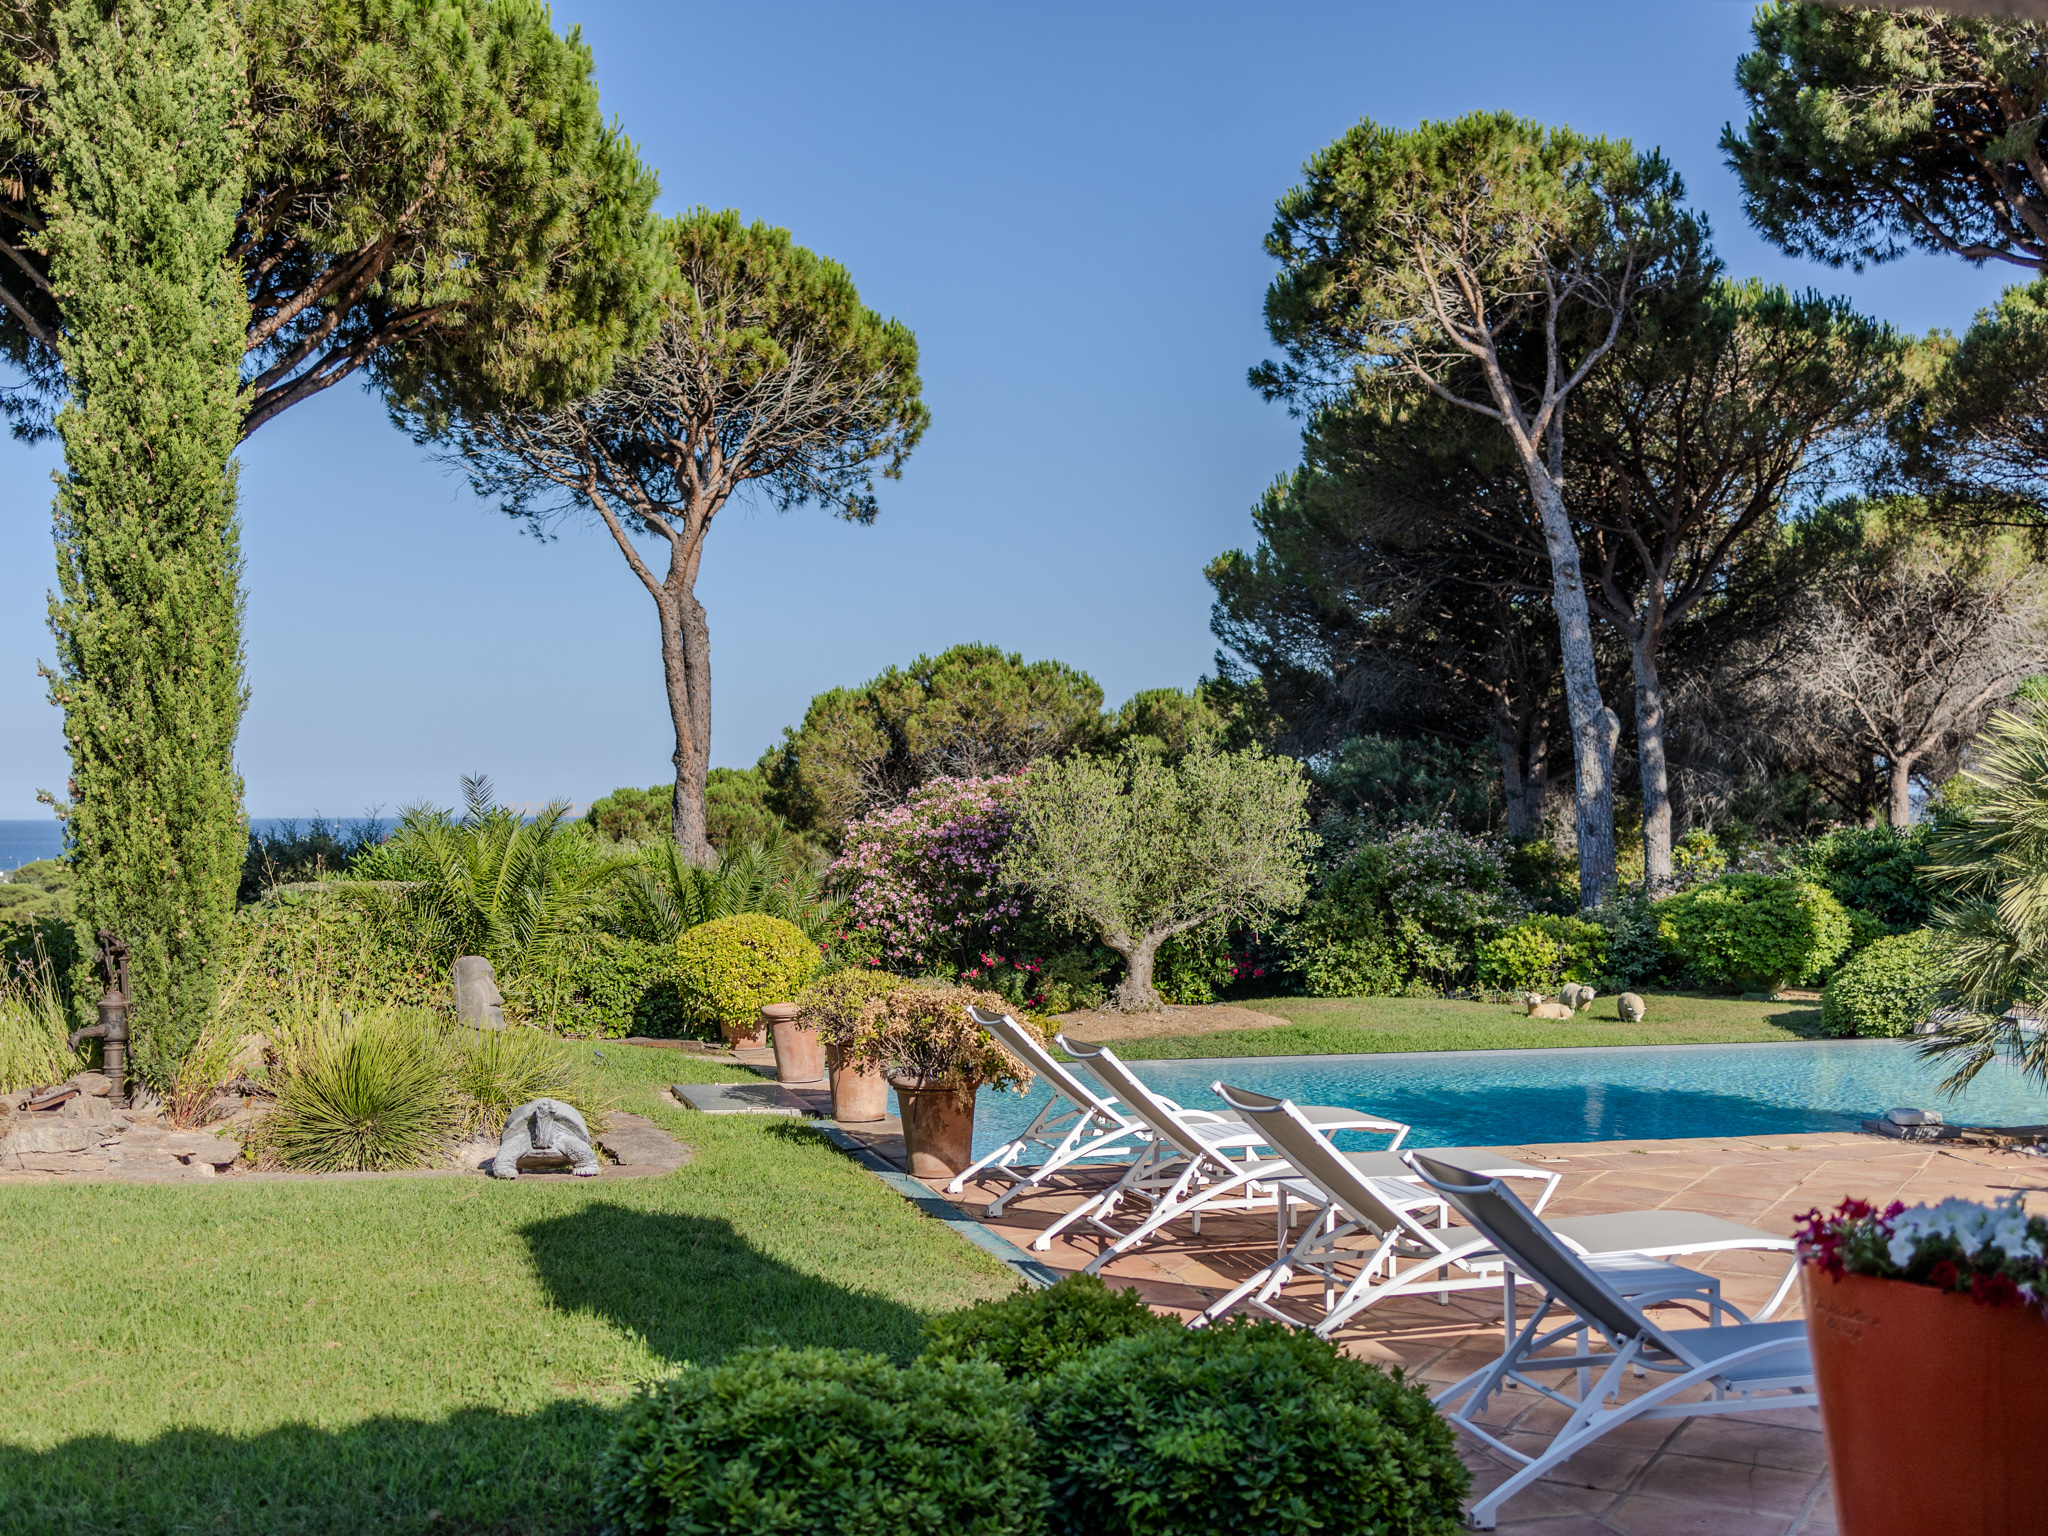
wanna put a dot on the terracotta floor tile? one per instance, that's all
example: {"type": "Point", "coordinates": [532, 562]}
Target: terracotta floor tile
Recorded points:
{"type": "Point", "coordinates": [1756, 1444]}
{"type": "Point", "coordinates": [1754, 1490]}
{"type": "Point", "coordinates": [1640, 1516]}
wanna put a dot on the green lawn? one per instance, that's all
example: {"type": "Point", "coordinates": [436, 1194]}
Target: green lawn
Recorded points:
{"type": "Point", "coordinates": [426, 1354]}
{"type": "Point", "coordinates": [1328, 1026]}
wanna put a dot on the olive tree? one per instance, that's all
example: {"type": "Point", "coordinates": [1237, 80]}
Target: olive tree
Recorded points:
{"type": "Point", "coordinates": [1142, 847]}
{"type": "Point", "coordinates": [1492, 262]}
{"type": "Point", "coordinates": [768, 372]}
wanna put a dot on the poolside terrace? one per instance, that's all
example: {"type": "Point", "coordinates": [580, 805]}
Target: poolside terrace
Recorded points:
{"type": "Point", "coordinates": [1754, 1475]}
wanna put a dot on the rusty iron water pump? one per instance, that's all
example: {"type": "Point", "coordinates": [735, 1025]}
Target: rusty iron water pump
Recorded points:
{"type": "Point", "coordinates": [112, 1029]}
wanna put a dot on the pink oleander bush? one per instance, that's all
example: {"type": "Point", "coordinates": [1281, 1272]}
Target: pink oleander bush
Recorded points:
{"type": "Point", "coordinates": [1995, 1253]}
{"type": "Point", "coordinates": [925, 894]}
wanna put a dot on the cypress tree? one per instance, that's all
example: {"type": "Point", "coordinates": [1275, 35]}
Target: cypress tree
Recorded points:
{"type": "Point", "coordinates": [143, 106]}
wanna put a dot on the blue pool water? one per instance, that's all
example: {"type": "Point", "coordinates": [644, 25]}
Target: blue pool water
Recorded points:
{"type": "Point", "coordinates": [1612, 1093]}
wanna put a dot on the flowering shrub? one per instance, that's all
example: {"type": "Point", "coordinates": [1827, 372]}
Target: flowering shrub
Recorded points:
{"type": "Point", "coordinates": [1995, 1253]}
{"type": "Point", "coordinates": [926, 896]}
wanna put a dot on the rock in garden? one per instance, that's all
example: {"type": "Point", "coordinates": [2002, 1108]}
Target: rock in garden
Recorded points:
{"type": "Point", "coordinates": [478, 1002]}
{"type": "Point", "coordinates": [546, 1128]}
{"type": "Point", "coordinates": [1631, 1007]}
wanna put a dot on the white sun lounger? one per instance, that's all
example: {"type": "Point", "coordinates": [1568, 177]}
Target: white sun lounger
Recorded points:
{"type": "Point", "coordinates": [1075, 1125]}
{"type": "Point", "coordinates": [1746, 1367]}
{"type": "Point", "coordinates": [1348, 1203]}
{"type": "Point", "coordinates": [1195, 1160]}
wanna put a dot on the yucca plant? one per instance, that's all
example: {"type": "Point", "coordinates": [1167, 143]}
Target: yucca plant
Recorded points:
{"type": "Point", "coordinates": [497, 1070]}
{"type": "Point", "coordinates": [496, 884]}
{"type": "Point", "coordinates": [33, 1051]}
{"type": "Point", "coordinates": [665, 894]}
{"type": "Point", "coordinates": [375, 1091]}
{"type": "Point", "coordinates": [1988, 866]}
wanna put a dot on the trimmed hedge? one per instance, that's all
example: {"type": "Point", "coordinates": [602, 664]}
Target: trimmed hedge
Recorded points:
{"type": "Point", "coordinates": [1885, 990]}
{"type": "Point", "coordinates": [1241, 1428]}
{"type": "Point", "coordinates": [803, 1440]}
{"type": "Point", "coordinates": [733, 967]}
{"type": "Point", "coordinates": [1029, 1332]}
{"type": "Point", "coordinates": [1760, 930]}
{"type": "Point", "coordinates": [619, 986]}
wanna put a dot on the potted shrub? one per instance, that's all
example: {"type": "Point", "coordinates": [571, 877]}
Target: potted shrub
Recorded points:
{"type": "Point", "coordinates": [1930, 1347]}
{"type": "Point", "coordinates": [935, 1057]}
{"type": "Point", "coordinates": [733, 967]}
{"type": "Point", "coordinates": [831, 1005]}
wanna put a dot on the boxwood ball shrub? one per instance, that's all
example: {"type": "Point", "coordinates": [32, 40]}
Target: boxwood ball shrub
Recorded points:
{"type": "Point", "coordinates": [1886, 989]}
{"type": "Point", "coordinates": [802, 1440]}
{"type": "Point", "coordinates": [1755, 930]}
{"type": "Point", "coordinates": [1241, 1428]}
{"type": "Point", "coordinates": [1030, 1331]}
{"type": "Point", "coordinates": [733, 967]}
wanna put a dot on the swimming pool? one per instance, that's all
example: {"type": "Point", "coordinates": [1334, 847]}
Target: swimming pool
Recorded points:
{"type": "Point", "coordinates": [1604, 1093]}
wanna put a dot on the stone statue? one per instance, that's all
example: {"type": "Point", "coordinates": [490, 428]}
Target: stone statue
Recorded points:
{"type": "Point", "coordinates": [547, 1127]}
{"type": "Point", "coordinates": [478, 1002]}
{"type": "Point", "coordinates": [1577, 997]}
{"type": "Point", "coordinates": [1539, 1009]}
{"type": "Point", "coordinates": [1630, 1007]}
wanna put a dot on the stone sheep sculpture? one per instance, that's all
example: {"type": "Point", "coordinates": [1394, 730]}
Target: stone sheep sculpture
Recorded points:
{"type": "Point", "coordinates": [1576, 997]}
{"type": "Point", "coordinates": [1630, 1007]}
{"type": "Point", "coordinates": [547, 1127]}
{"type": "Point", "coordinates": [1539, 1009]}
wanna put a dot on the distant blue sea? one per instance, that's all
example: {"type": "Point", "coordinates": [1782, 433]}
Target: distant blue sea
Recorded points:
{"type": "Point", "coordinates": [23, 842]}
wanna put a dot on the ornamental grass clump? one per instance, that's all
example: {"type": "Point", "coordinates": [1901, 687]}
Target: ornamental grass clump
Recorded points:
{"type": "Point", "coordinates": [823, 1440]}
{"type": "Point", "coordinates": [734, 967]}
{"type": "Point", "coordinates": [364, 1093]}
{"type": "Point", "coordinates": [497, 1070]}
{"type": "Point", "coordinates": [1995, 1253]}
{"type": "Point", "coordinates": [33, 1048]}
{"type": "Point", "coordinates": [921, 1037]}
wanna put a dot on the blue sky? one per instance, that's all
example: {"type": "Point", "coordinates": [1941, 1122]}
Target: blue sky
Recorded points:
{"type": "Point", "coordinates": [1065, 202]}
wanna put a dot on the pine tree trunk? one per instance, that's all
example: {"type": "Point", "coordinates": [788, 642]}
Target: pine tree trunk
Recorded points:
{"type": "Point", "coordinates": [1901, 808]}
{"type": "Point", "coordinates": [686, 667]}
{"type": "Point", "coordinates": [1514, 785]}
{"type": "Point", "coordinates": [1656, 776]}
{"type": "Point", "coordinates": [143, 144]}
{"type": "Point", "coordinates": [1592, 752]}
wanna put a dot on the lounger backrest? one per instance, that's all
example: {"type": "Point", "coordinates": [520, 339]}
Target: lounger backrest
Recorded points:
{"type": "Point", "coordinates": [1137, 1098]}
{"type": "Point", "coordinates": [1027, 1046]}
{"type": "Point", "coordinates": [1289, 1132]}
{"type": "Point", "coordinates": [1520, 1236]}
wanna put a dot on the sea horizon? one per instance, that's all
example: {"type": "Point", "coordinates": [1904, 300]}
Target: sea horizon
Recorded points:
{"type": "Point", "coordinates": [25, 841]}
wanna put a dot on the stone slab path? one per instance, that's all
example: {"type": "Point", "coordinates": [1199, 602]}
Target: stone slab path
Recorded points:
{"type": "Point", "coordinates": [1753, 1475]}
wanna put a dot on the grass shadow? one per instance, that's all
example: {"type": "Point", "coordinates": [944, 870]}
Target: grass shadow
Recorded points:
{"type": "Point", "coordinates": [693, 1289]}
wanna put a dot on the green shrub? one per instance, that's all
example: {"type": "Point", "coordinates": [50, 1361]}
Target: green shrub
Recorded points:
{"type": "Point", "coordinates": [732, 968]}
{"type": "Point", "coordinates": [823, 1440]}
{"type": "Point", "coordinates": [39, 888]}
{"type": "Point", "coordinates": [617, 986]}
{"type": "Point", "coordinates": [343, 946]}
{"type": "Point", "coordinates": [1333, 962]}
{"type": "Point", "coordinates": [27, 941]}
{"type": "Point", "coordinates": [1523, 959]}
{"type": "Point", "coordinates": [1755, 930]}
{"type": "Point", "coordinates": [1241, 1428]}
{"type": "Point", "coordinates": [33, 1027]}
{"type": "Point", "coordinates": [1030, 1331]}
{"type": "Point", "coordinates": [371, 1092]}
{"type": "Point", "coordinates": [1873, 870]}
{"type": "Point", "coordinates": [1886, 989]}
{"type": "Point", "coordinates": [1637, 955]}
{"type": "Point", "coordinates": [1190, 970]}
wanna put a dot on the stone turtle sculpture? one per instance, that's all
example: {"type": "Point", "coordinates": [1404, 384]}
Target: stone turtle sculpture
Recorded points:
{"type": "Point", "coordinates": [546, 1127]}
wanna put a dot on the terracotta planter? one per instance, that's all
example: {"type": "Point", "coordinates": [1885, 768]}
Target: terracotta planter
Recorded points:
{"type": "Point", "coordinates": [742, 1038]}
{"type": "Point", "coordinates": [857, 1096]}
{"type": "Point", "coordinates": [938, 1127]}
{"type": "Point", "coordinates": [799, 1057]}
{"type": "Point", "coordinates": [1933, 1407]}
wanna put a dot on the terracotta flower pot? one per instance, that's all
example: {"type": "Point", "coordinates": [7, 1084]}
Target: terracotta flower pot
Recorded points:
{"type": "Point", "coordinates": [799, 1057]}
{"type": "Point", "coordinates": [742, 1037]}
{"type": "Point", "coordinates": [938, 1126]}
{"type": "Point", "coordinates": [857, 1096]}
{"type": "Point", "coordinates": [1933, 1407]}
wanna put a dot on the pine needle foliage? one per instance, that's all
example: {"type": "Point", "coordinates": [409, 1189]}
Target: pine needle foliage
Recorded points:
{"type": "Point", "coordinates": [143, 117]}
